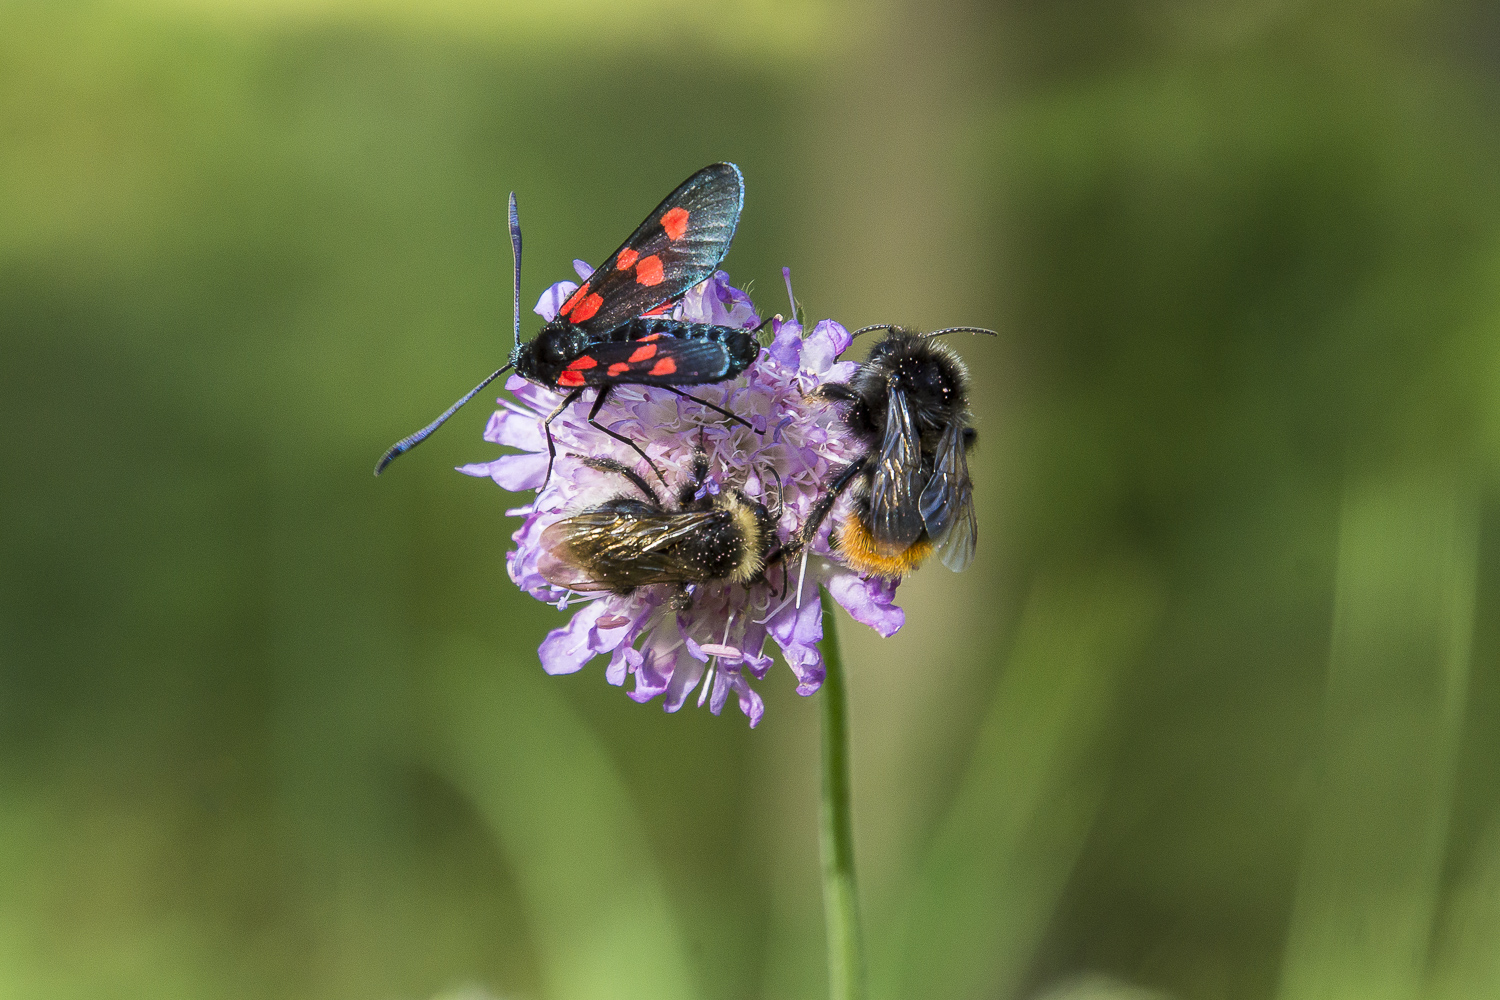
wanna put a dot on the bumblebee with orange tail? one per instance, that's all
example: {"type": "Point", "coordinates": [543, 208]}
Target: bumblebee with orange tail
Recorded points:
{"type": "Point", "coordinates": [909, 402]}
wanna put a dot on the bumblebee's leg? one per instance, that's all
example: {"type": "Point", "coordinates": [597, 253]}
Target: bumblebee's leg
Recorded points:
{"type": "Point", "coordinates": [610, 465]}
{"type": "Point", "coordinates": [594, 421]}
{"type": "Point", "coordinates": [547, 429]}
{"type": "Point", "coordinates": [712, 406]}
{"type": "Point", "coordinates": [825, 503]}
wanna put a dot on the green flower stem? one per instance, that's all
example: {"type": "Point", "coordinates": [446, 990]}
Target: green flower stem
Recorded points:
{"type": "Point", "coordinates": [846, 980]}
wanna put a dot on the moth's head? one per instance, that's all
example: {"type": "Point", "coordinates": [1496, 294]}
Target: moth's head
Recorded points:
{"type": "Point", "coordinates": [554, 347]}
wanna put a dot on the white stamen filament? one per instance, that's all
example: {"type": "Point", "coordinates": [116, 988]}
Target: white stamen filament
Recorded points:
{"type": "Point", "coordinates": [708, 679]}
{"type": "Point", "coordinates": [801, 574]}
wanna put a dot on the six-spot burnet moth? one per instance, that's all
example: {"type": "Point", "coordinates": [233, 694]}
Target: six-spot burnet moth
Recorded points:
{"type": "Point", "coordinates": [613, 330]}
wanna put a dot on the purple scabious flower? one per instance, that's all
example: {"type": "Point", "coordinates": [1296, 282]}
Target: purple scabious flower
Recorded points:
{"type": "Point", "coordinates": [719, 637]}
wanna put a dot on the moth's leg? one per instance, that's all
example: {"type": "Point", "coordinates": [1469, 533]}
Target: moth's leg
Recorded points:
{"type": "Point", "coordinates": [568, 400]}
{"type": "Point", "coordinates": [712, 406]}
{"type": "Point", "coordinates": [594, 421]}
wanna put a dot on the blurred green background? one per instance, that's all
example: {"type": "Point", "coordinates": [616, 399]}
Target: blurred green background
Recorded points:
{"type": "Point", "coordinates": [1214, 714]}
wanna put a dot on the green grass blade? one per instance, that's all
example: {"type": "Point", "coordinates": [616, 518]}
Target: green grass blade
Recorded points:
{"type": "Point", "coordinates": [600, 920]}
{"type": "Point", "coordinates": [1398, 673]}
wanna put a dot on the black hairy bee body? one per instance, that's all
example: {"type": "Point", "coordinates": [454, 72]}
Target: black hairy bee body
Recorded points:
{"type": "Point", "coordinates": [632, 541]}
{"type": "Point", "coordinates": [908, 403]}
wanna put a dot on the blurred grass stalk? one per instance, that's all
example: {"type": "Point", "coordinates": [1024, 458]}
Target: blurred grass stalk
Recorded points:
{"type": "Point", "coordinates": [601, 921]}
{"type": "Point", "coordinates": [1398, 673]}
{"type": "Point", "coordinates": [1008, 845]}
{"type": "Point", "coordinates": [846, 970]}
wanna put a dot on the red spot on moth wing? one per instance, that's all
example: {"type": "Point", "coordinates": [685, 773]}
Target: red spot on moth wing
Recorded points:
{"type": "Point", "coordinates": [675, 222]}
{"type": "Point", "coordinates": [570, 379]}
{"type": "Point", "coordinates": [627, 257]}
{"type": "Point", "coordinates": [660, 310]}
{"type": "Point", "coordinates": [642, 354]}
{"type": "Point", "coordinates": [648, 270]}
{"type": "Point", "coordinates": [650, 337]}
{"type": "Point", "coordinates": [618, 368]}
{"type": "Point", "coordinates": [665, 366]}
{"type": "Point", "coordinates": [586, 308]}
{"type": "Point", "coordinates": [579, 364]}
{"type": "Point", "coordinates": [573, 299]}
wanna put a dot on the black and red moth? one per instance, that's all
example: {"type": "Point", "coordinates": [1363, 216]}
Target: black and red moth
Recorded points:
{"type": "Point", "coordinates": [614, 331]}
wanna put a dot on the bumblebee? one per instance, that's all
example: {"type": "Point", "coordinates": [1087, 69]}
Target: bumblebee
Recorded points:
{"type": "Point", "coordinates": [909, 403]}
{"type": "Point", "coordinates": [631, 541]}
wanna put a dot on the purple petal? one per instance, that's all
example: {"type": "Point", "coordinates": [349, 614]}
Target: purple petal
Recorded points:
{"type": "Point", "coordinates": [841, 372]}
{"type": "Point", "coordinates": [868, 602]}
{"type": "Point", "coordinates": [823, 346]}
{"type": "Point", "coordinates": [515, 430]}
{"type": "Point", "coordinates": [582, 268]}
{"type": "Point", "coordinates": [720, 692]}
{"type": "Point", "coordinates": [552, 300]}
{"type": "Point", "coordinates": [786, 348]}
{"type": "Point", "coordinates": [750, 702]}
{"type": "Point", "coordinates": [567, 649]}
{"type": "Point", "coordinates": [752, 647]}
{"type": "Point", "coordinates": [798, 631]}
{"type": "Point", "coordinates": [685, 675]}
{"type": "Point", "coordinates": [714, 300]}
{"type": "Point", "coordinates": [626, 659]}
{"type": "Point", "coordinates": [650, 677]}
{"type": "Point", "coordinates": [512, 472]}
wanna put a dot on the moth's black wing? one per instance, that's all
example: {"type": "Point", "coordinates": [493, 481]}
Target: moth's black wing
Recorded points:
{"type": "Point", "coordinates": [613, 550]}
{"type": "Point", "coordinates": [665, 361]}
{"type": "Point", "coordinates": [681, 243]}
{"type": "Point", "coordinates": [947, 501]}
{"type": "Point", "coordinates": [895, 521]}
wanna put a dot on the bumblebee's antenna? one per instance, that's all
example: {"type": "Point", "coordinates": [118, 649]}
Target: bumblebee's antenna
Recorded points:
{"type": "Point", "coordinates": [515, 252]}
{"type": "Point", "coordinates": [960, 329]}
{"type": "Point", "coordinates": [934, 333]}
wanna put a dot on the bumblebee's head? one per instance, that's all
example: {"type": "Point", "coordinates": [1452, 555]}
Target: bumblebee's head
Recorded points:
{"type": "Point", "coordinates": [928, 374]}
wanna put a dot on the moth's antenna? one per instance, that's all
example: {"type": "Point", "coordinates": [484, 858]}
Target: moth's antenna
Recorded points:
{"type": "Point", "coordinates": [960, 329]}
{"type": "Point", "coordinates": [515, 250]}
{"type": "Point", "coordinates": [409, 442]}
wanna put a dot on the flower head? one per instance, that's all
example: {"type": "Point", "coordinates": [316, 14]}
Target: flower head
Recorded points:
{"type": "Point", "coordinates": [717, 633]}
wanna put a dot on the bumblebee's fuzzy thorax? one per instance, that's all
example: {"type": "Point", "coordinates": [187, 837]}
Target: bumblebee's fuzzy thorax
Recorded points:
{"type": "Point", "coordinates": [752, 527]}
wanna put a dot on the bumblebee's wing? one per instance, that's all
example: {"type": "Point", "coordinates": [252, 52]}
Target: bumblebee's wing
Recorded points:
{"type": "Point", "coordinates": [679, 244]}
{"type": "Point", "coordinates": [895, 521]}
{"type": "Point", "coordinates": [618, 550]}
{"type": "Point", "coordinates": [947, 501]}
